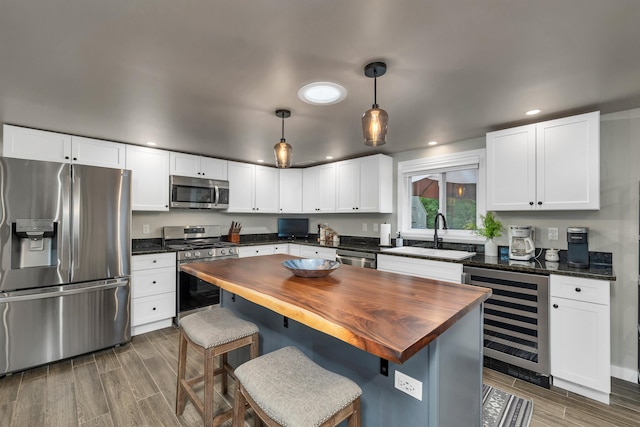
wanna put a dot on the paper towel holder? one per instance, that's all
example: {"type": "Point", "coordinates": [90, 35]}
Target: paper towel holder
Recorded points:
{"type": "Point", "coordinates": [385, 235]}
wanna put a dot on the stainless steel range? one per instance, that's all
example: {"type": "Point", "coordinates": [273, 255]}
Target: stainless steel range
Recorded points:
{"type": "Point", "coordinates": [196, 243]}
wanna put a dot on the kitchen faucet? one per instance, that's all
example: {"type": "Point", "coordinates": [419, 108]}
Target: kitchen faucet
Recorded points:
{"type": "Point", "coordinates": [436, 240]}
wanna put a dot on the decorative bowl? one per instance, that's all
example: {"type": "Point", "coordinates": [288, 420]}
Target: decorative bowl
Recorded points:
{"type": "Point", "coordinates": [311, 267]}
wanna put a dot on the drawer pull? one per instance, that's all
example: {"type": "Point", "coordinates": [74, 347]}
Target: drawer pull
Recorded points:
{"type": "Point", "coordinates": [154, 261]}
{"type": "Point", "coordinates": [555, 305]}
{"type": "Point", "coordinates": [578, 290]}
{"type": "Point", "coordinates": [154, 282]}
{"type": "Point", "coordinates": [154, 309]}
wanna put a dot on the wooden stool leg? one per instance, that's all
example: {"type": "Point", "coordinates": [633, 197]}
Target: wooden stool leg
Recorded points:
{"type": "Point", "coordinates": [225, 375]}
{"type": "Point", "coordinates": [238, 407]}
{"type": "Point", "coordinates": [209, 374]}
{"type": "Point", "coordinates": [181, 398]}
{"type": "Point", "coordinates": [354, 419]}
{"type": "Point", "coordinates": [254, 348]}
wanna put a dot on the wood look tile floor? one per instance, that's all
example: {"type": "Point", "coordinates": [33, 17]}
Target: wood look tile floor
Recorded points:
{"type": "Point", "coordinates": [131, 385]}
{"type": "Point", "coordinates": [558, 407]}
{"type": "Point", "coordinates": [134, 385]}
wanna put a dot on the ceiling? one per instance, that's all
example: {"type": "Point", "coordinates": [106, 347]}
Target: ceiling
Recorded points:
{"type": "Point", "coordinates": [207, 76]}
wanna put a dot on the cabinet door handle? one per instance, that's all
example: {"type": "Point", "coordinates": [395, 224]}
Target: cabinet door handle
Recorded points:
{"type": "Point", "coordinates": [66, 157]}
{"type": "Point", "coordinates": [539, 203]}
{"type": "Point", "coordinates": [154, 261]}
{"type": "Point", "coordinates": [154, 282]}
{"type": "Point", "coordinates": [530, 203]}
{"type": "Point", "coordinates": [555, 305]}
{"type": "Point", "coordinates": [154, 309]}
{"type": "Point", "coordinates": [578, 290]}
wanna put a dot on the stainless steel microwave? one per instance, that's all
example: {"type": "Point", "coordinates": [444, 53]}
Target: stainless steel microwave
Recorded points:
{"type": "Point", "coordinates": [198, 193]}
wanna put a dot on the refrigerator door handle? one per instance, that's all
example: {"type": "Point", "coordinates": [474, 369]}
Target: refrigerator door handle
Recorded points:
{"type": "Point", "coordinates": [70, 290]}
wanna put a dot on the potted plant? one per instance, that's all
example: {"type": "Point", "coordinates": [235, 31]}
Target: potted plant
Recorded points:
{"type": "Point", "coordinates": [491, 228]}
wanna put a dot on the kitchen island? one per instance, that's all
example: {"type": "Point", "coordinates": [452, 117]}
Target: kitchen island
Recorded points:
{"type": "Point", "coordinates": [364, 324]}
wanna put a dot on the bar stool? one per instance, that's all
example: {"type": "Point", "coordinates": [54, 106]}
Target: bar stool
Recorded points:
{"type": "Point", "coordinates": [286, 389]}
{"type": "Point", "coordinates": [211, 333]}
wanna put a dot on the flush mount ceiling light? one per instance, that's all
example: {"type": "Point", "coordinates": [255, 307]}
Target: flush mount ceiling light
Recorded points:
{"type": "Point", "coordinates": [282, 150]}
{"type": "Point", "coordinates": [374, 120]}
{"type": "Point", "coordinates": [322, 93]}
{"type": "Point", "coordinates": [532, 112]}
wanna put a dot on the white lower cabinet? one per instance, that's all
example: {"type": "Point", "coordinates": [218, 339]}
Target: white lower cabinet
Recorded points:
{"type": "Point", "coordinates": [317, 252]}
{"type": "Point", "coordinates": [153, 292]}
{"type": "Point", "coordinates": [256, 250]}
{"type": "Point", "coordinates": [281, 248]}
{"type": "Point", "coordinates": [580, 336]}
{"type": "Point", "coordinates": [294, 249]}
{"type": "Point", "coordinates": [427, 268]}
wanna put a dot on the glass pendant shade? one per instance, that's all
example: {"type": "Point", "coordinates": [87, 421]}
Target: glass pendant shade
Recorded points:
{"type": "Point", "coordinates": [374, 126]}
{"type": "Point", "coordinates": [282, 150]}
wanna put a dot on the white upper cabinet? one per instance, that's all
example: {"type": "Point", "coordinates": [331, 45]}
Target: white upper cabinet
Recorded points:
{"type": "Point", "coordinates": [253, 188]}
{"type": "Point", "coordinates": [25, 143]}
{"type": "Point", "coordinates": [364, 184]}
{"type": "Point", "coordinates": [290, 190]}
{"type": "Point", "coordinates": [553, 165]}
{"type": "Point", "coordinates": [319, 189]}
{"type": "Point", "coordinates": [96, 152]}
{"type": "Point", "coordinates": [197, 166]}
{"type": "Point", "coordinates": [150, 180]}
{"type": "Point", "coordinates": [32, 144]}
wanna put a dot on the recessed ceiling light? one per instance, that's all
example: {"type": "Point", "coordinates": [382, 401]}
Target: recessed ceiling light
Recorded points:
{"type": "Point", "coordinates": [329, 157]}
{"type": "Point", "coordinates": [151, 143]}
{"type": "Point", "coordinates": [432, 143]}
{"type": "Point", "coordinates": [532, 112]}
{"type": "Point", "coordinates": [260, 161]}
{"type": "Point", "coordinates": [322, 93]}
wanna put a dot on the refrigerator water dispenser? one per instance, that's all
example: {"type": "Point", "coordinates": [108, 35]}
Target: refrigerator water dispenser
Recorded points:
{"type": "Point", "coordinates": [33, 243]}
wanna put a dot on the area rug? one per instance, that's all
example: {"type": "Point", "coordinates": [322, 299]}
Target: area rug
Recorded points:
{"type": "Point", "coordinates": [502, 409]}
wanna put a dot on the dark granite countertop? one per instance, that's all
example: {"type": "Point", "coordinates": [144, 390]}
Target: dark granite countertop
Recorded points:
{"type": "Point", "coordinates": [601, 269]}
{"type": "Point", "coordinates": [148, 246]}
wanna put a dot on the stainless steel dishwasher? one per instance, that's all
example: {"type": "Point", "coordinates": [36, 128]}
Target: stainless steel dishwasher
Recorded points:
{"type": "Point", "coordinates": [516, 322]}
{"type": "Point", "coordinates": [356, 258]}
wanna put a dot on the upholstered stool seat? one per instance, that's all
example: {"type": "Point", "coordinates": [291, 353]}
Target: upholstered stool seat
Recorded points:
{"type": "Point", "coordinates": [212, 333]}
{"type": "Point", "coordinates": [286, 388]}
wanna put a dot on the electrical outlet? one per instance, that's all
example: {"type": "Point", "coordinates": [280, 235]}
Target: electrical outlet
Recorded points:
{"type": "Point", "coordinates": [375, 226]}
{"type": "Point", "coordinates": [145, 228]}
{"type": "Point", "coordinates": [408, 385]}
{"type": "Point", "coordinates": [364, 226]}
{"type": "Point", "coordinates": [553, 233]}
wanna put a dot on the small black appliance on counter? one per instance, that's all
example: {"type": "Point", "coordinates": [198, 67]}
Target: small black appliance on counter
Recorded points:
{"type": "Point", "coordinates": [578, 247]}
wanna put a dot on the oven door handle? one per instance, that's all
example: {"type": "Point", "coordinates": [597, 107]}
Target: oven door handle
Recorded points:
{"type": "Point", "coordinates": [216, 190]}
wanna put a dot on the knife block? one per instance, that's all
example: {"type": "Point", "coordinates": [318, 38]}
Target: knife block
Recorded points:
{"type": "Point", "coordinates": [234, 237]}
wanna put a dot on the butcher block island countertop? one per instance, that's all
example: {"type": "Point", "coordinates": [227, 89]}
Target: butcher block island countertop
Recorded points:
{"type": "Point", "coordinates": [389, 315]}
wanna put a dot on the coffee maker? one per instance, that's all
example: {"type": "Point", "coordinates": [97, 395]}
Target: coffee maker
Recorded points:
{"type": "Point", "coordinates": [578, 247]}
{"type": "Point", "coordinates": [521, 242]}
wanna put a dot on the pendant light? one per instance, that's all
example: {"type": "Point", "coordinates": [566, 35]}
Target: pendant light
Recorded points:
{"type": "Point", "coordinates": [374, 120]}
{"type": "Point", "coordinates": [282, 150]}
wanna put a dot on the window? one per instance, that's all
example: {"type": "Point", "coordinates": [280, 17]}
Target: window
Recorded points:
{"type": "Point", "coordinates": [450, 185]}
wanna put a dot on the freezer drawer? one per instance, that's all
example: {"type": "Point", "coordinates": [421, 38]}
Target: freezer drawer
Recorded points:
{"type": "Point", "coordinates": [38, 327]}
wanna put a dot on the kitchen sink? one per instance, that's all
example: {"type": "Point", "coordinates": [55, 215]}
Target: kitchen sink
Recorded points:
{"type": "Point", "coordinates": [430, 252]}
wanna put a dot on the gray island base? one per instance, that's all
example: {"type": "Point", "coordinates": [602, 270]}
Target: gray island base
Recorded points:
{"type": "Point", "coordinates": [449, 368]}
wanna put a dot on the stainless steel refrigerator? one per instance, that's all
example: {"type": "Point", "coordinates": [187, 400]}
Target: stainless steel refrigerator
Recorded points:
{"type": "Point", "coordinates": [64, 261]}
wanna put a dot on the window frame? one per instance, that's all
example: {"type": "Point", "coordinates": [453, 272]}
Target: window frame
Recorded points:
{"type": "Point", "coordinates": [412, 167]}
